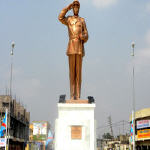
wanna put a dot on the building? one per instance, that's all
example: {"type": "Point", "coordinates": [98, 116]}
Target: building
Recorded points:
{"type": "Point", "coordinates": [17, 122]}
{"type": "Point", "coordinates": [119, 143]}
{"type": "Point", "coordinates": [142, 129]}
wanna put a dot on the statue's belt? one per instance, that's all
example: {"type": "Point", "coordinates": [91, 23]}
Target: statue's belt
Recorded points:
{"type": "Point", "coordinates": [74, 37]}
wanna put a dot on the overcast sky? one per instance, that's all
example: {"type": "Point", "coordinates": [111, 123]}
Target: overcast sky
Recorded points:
{"type": "Point", "coordinates": [40, 71]}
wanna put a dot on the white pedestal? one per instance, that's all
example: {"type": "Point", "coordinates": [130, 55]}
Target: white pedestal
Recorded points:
{"type": "Point", "coordinates": [75, 115]}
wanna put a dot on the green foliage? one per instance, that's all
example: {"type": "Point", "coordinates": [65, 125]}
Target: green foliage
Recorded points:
{"type": "Point", "coordinates": [107, 136]}
{"type": "Point", "coordinates": [39, 137]}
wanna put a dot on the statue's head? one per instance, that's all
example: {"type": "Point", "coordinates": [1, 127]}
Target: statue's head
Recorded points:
{"type": "Point", "coordinates": [76, 7]}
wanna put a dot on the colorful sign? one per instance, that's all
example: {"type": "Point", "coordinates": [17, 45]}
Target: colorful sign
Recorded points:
{"type": "Point", "coordinates": [39, 128]}
{"type": "Point", "coordinates": [143, 124]}
{"type": "Point", "coordinates": [132, 128]}
{"type": "Point", "coordinates": [143, 133]}
{"type": "Point", "coordinates": [2, 142]}
{"type": "Point", "coordinates": [3, 125]}
{"type": "Point", "coordinates": [39, 131]}
{"type": "Point", "coordinates": [49, 138]}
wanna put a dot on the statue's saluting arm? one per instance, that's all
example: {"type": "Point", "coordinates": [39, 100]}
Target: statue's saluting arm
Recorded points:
{"type": "Point", "coordinates": [62, 17]}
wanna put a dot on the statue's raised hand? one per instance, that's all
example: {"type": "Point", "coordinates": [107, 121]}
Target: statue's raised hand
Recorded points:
{"type": "Point", "coordinates": [69, 7]}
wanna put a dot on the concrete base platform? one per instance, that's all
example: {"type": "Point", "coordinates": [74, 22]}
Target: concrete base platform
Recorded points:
{"type": "Point", "coordinates": [75, 127]}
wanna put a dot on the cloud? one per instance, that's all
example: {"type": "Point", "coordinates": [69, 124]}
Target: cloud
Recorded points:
{"type": "Point", "coordinates": [30, 87]}
{"type": "Point", "coordinates": [100, 3]}
{"type": "Point", "coordinates": [147, 38]}
{"type": "Point", "coordinates": [148, 7]}
{"type": "Point", "coordinates": [142, 58]}
{"type": "Point", "coordinates": [104, 3]}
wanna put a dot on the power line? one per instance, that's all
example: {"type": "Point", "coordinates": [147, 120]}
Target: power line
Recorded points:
{"type": "Point", "coordinates": [114, 124]}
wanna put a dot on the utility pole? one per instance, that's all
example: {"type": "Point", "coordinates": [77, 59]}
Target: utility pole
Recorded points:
{"type": "Point", "coordinates": [133, 95]}
{"type": "Point", "coordinates": [11, 77]}
{"type": "Point", "coordinates": [123, 126]}
{"type": "Point", "coordinates": [110, 124]}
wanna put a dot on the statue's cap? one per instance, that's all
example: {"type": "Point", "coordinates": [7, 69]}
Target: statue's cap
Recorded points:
{"type": "Point", "coordinates": [76, 2]}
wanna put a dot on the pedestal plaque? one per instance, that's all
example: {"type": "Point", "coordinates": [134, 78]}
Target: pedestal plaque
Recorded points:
{"type": "Point", "coordinates": [76, 132]}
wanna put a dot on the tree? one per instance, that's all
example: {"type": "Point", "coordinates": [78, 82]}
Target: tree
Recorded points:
{"type": "Point", "coordinates": [107, 136]}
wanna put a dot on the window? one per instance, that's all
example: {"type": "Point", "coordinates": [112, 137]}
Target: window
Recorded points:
{"type": "Point", "coordinates": [5, 104]}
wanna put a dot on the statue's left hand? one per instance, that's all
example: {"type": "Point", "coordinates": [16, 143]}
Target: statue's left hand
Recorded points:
{"type": "Point", "coordinates": [81, 36]}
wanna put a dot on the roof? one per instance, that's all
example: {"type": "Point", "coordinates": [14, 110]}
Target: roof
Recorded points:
{"type": "Point", "coordinates": [141, 114]}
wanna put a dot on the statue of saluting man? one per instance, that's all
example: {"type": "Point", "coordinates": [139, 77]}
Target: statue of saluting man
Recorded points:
{"type": "Point", "coordinates": [78, 35]}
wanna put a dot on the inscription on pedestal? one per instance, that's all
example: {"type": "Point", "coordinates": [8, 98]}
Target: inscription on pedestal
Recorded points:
{"type": "Point", "coordinates": [76, 132]}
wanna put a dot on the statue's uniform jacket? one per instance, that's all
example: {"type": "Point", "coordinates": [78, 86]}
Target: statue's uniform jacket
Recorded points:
{"type": "Point", "coordinates": [76, 26]}
{"type": "Point", "coordinates": [78, 35]}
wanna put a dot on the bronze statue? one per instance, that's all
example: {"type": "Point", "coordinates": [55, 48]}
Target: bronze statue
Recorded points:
{"type": "Point", "coordinates": [78, 35]}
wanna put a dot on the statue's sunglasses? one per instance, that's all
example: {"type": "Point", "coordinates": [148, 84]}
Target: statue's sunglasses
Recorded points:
{"type": "Point", "coordinates": [76, 5]}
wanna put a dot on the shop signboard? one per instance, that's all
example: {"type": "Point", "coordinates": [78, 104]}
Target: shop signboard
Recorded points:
{"type": "Point", "coordinates": [143, 133]}
{"type": "Point", "coordinates": [39, 131]}
{"type": "Point", "coordinates": [143, 124]}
